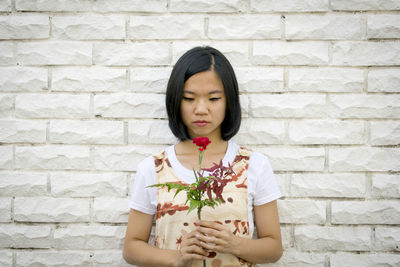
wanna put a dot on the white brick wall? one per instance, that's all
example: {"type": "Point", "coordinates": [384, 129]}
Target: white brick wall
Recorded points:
{"type": "Point", "coordinates": [82, 87]}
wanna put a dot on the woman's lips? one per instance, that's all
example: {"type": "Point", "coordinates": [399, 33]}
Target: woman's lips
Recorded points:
{"type": "Point", "coordinates": [201, 123]}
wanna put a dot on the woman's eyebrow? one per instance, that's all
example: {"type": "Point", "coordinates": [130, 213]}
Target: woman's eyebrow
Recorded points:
{"type": "Point", "coordinates": [210, 93]}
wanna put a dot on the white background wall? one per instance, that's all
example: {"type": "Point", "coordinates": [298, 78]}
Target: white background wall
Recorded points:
{"type": "Point", "coordinates": [82, 102]}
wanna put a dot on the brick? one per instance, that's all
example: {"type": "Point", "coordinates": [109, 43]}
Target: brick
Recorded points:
{"type": "Point", "coordinates": [111, 210]}
{"type": "Point", "coordinates": [364, 260]}
{"type": "Point", "coordinates": [130, 106]}
{"type": "Point", "coordinates": [23, 184]}
{"type": "Point", "coordinates": [236, 52]}
{"type": "Point", "coordinates": [302, 211]}
{"type": "Point", "coordinates": [343, 185]}
{"type": "Point", "coordinates": [387, 238]}
{"type": "Point", "coordinates": [24, 27]}
{"type": "Point", "coordinates": [283, 181]}
{"type": "Point", "coordinates": [52, 157]}
{"type": "Point", "coordinates": [43, 209]}
{"type": "Point", "coordinates": [5, 209]}
{"type": "Point", "coordinates": [323, 27]}
{"type": "Point", "coordinates": [383, 26]}
{"type": "Point", "coordinates": [261, 131]}
{"type": "Point", "coordinates": [245, 27]}
{"type": "Point", "coordinates": [5, 5]}
{"type": "Point", "coordinates": [385, 132]}
{"type": "Point", "coordinates": [132, 5]}
{"type": "Point", "coordinates": [166, 27]}
{"type": "Point", "coordinates": [385, 185]}
{"type": "Point", "coordinates": [287, 240]}
{"type": "Point", "coordinates": [6, 157]}
{"type": "Point", "coordinates": [86, 132]}
{"type": "Point", "coordinates": [384, 80]}
{"type": "Point", "coordinates": [25, 236]}
{"type": "Point", "coordinates": [149, 80]}
{"type": "Point", "coordinates": [22, 131]}
{"type": "Point", "coordinates": [366, 212]}
{"type": "Point", "coordinates": [364, 159]}
{"type": "Point", "coordinates": [125, 54]}
{"type": "Point", "coordinates": [329, 238]}
{"type": "Point", "coordinates": [326, 132]}
{"type": "Point", "coordinates": [365, 106]}
{"type": "Point", "coordinates": [52, 105]}
{"type": "Point", "coordinates": [214, 6]}
{"type": "Point", "coordinates": [358, 5]}
{"type": "Point", "coordinates": [108, 258]}
{"type": "Point", "coordinates": [6, 257]}
{"type": "Point", "coordinates": [88, 27]}
{"type": "Point", "coordinates": [289, 6]}
{"type": "Point", "coordinates": [150, 131]}
{"type": "Point", "coordinates": [341, 80]}
{"type": "Point", "coordinates": [295, 159]}
{"type": "Point", "coordinates": [7, 55]}
{"type": "Point", "coordinates": [260, 79]}
{"type": "Point", "coordinates": [17, 79]}
{"type": "Point", "coordinates": [52, 258]}
{"type": "Point", "coordinates": [124, 158]}
{"type": "Point", "coordinates": [293, 258]}
{"type": "Point", "coordinates": [53, 5]}
{"type": "Point", "coordinates": [245, 105]}
{"type": "Point", "coordinates": [54, 53]}
{"type": "Point", "coordinates": [89, 237]}
{"type": "Point", "coordinates": [287, 105]}
{"type": "Point", "coordinates": [73, 184]}
{"type": "Point", "coordinates": [290, 53]}
{"type": "Point", "coordinates": [6, 105]}
{"type": "Point", "coordinates": [350, 53]}
{"type": "Point", "coordinates": [94, 79]}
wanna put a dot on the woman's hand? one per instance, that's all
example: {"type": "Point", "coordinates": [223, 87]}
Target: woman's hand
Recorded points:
{"type": "Point", "coordinates": [190, 250]}
{"type": "Point", "coordinates": [214, 236]}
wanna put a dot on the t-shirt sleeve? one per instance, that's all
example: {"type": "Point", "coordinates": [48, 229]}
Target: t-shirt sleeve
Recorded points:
{"type": "Point", "coordinates": [143, 199]}
{"type": "Point", "coordinates": [266, 188]}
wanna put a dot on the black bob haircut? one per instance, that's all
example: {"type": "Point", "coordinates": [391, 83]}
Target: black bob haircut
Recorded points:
{"type": "Point", "coordinates": [197, 60]}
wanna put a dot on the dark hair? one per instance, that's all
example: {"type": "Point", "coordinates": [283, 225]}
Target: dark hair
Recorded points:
{"type": "Point", "coordinates": [197, 60]}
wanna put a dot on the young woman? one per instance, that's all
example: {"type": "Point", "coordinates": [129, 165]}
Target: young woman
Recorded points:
{"type": "Point", "coordinates": [203, 100]}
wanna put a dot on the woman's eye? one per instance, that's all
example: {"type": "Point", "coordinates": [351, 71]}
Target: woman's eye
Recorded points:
{"type": "Point", "coordinates": [215, 99]}
{"type": "Point", "coordinates": [188, 98]}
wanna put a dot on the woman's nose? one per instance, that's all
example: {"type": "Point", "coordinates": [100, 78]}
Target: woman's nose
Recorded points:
{"type": "Point", "coordinates": [201, 107]}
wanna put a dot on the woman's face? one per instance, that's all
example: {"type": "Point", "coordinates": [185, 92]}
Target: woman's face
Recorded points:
{"type": "Point", "coordinates": [203, 105]}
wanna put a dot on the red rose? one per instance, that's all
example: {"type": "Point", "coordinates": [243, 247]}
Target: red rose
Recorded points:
{"type": "Point", "coordinates": [201, 142]}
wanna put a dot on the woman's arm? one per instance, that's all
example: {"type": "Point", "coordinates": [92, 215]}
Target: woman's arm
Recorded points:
{"type": "Point", "coordinates": [137, 251]}
{"type": "Point", "coordinates": [267, 248]}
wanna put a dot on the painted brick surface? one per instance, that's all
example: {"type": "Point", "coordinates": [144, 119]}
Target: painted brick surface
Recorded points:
{"type": "Point", "coordinates": [342, 80]}
{"type": "Point", "coordinates": [219, 6]}
{"type": "Point", "coordinates": [384, 80]}
{"type": "Point", "coordinates": [326, 27]}
{"type": "Point", "coordinates": [27, 79]}
{"type": "Point", "coordinates": [366, 212]}
{"type": "Point", "coordinates": [31, 184]}
{"type": "Point", "coordinates": [244, 27]}
{"type": "Point", "coordinates": [95, 79]}
{"type": "Point", "coordinates": [24, 27]}
{"type": "Point", "coordinates": [82, 102]}
{"type": "Point", "coordinates": [88, 27]}
{"type": "Point", "coordinates": [290, 53]}
{"type": "Point", "coordinates": [166, 27]}
{"type": "Point", "coordinates": [333, 238]}
{"type": "Point", "coordinates": [386, 185]}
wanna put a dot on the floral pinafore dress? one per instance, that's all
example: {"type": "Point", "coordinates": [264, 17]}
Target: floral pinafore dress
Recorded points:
{"type": "Point", "coordinates": [173, 220]}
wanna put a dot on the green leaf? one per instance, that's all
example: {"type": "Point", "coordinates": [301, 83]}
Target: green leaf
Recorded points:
{"type": "Point", "coordinates": [194, 204]}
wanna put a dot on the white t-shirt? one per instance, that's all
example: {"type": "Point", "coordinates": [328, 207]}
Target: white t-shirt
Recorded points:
{"type": "Point", "coordinates": [261, 184]}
